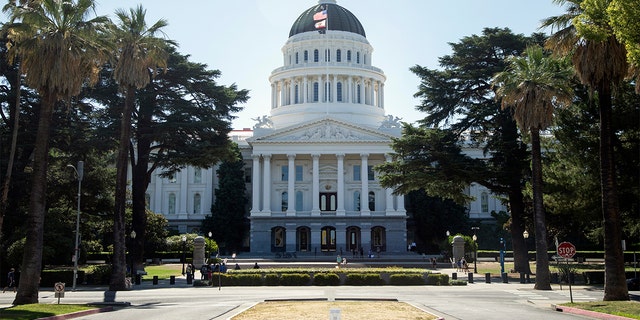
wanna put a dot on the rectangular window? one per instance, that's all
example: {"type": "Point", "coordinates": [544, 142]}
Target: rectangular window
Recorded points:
{"type": "Point", "coordinates": [299, 173]}
{"type": "Point", "coordinates": [356, 173]}
{"type": "Point", "coordinates": [285, 173]}
{"type": "Point", "coordinates": [370, 174]}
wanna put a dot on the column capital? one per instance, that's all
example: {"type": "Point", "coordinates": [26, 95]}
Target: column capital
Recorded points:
{"type": "Point", "coordinates": [255, 156]}
{"type": "Point", "coordinates": [291, 155]}
{"type": "Point", "coordinates": [315, 155]}
{"type": "Point", "coordinates": [364, 155]}
{"type": "Point", "coordinates": [267, 155]}
{"type": "Point", "coordinates": [340, 155]}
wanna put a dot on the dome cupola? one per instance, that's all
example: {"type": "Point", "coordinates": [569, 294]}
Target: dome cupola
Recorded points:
{"type": "Point", "coordinates": [339, 19]}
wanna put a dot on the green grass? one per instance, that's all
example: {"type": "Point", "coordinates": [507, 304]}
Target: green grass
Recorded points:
{"type": "Point", "coordinates": [163, 271]}
{"type": "Point", "coordinates": [629, 309]}
{"type": "Point", "coordinates": [35, 311]}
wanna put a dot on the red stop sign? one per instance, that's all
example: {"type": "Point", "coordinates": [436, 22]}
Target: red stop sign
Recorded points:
{"type": "Point", "coordinates": [566, 250]}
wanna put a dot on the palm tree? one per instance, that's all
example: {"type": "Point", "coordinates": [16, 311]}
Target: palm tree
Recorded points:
{"type": "Point", "coordinates": [59, 51]}
{"type": "Point", "coordinates": [600, 63]}
{"type": "Point", "coordinates": [139, 55]}
{"type": "Point", "coordinates": [532, 85]}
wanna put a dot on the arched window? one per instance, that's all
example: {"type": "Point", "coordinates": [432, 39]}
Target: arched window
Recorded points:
{"type": "Point", "coordinates": [297, 57]}
{"type": "Point", "coordinates": [316, 89]}
{"type": "Point", "coordinates": [278, 239]}
{"type": "Point", "coordinates": [197, 203]}
{"type": "Point", "coordinates": [297, 95]}
{"type": "Point", "coordinates": [306, 56]}
{"type": "Point", "coordinates": [285, 201]}
{"type": "Point", "coordinates": [197, 175]}
{"type": "Point", "coordinates": [372, 201]}
{"type": "Point", "coordinates": [303, 239]}
{"type": "Point", "coordinates": [172, 203]}
{"type": "Point", "coordinates": [338, 55]}
{"type": "Point", "coordinates": [358, 57]}
{"type": "Point", "coordinates": [328, 239]}
{"type": "Point", "coordinates": [484, 202]}
{"type": "Point", "coordinates": [353, 239]}
{"type": "Point", "coordinates": [339, 89]}
{"type": "Point", "coordinates": [356, 201]}
{"type": "Point", "coordinates": [378, 239]}
{"type": "Point", "coordinates": [316, 55]}
{"type": "Point", "coordinates": [299, 204]}
{"type": "Point", "coordinates": [358, 95]}
{"type": "Point", "coordinates": [348, 55]}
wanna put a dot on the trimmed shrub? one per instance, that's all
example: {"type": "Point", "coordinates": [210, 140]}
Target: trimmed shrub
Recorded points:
{"type": "Point", "coordinates": [364, 279]}
{"type": "Point", "coordinates": [458, 283]}
{"type": "Point", "coordinates": [99, 274]}
{"type": "Point", "coordinates": [437, 279]}
{"type": "Point", "coordinates": [271, 279]}
{"type": "Point", "coordinates": [248, 279]}
{"type": "Point", "coordinates": [326, 279]}
{"type": "Point", "coordinates": [50, 277]}
{"type": "Point", "coordinates": [406, 279]}
{"type": "Point", "coordinates": [295, 279]}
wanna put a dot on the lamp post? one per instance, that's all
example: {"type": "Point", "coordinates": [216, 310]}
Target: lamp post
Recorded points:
{"type": "Point", "coordinates": [502, 248]}
{"type": "Point", "coordinates": [184, 245]}
{"type": "Point", "coordinates": [133, 237]}
{"type": "Point", "coordinates": [76, 253]}
{"type": "Point", "coordinates": [475, 247]}
{"type": "Point", "coordinates": [209, 256]}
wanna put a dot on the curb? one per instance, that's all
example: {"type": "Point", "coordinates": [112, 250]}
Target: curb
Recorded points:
{"type": "Point", "coordinates": [592, 314]}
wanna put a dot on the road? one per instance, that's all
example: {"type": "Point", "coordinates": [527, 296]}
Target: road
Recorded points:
{"type": "Point", "coordinates": [479, 300]}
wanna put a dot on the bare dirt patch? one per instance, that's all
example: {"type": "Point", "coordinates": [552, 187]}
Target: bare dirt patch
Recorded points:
{"type": "Point", "coordinates": [349, 310]}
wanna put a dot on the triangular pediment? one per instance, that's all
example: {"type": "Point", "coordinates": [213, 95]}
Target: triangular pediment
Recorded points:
{"type": "Point", "coordinates": [322, 131]}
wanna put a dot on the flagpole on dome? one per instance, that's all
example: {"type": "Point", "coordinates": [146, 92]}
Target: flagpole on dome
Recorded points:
{"type": "Point", "coordinates": [321, 20]}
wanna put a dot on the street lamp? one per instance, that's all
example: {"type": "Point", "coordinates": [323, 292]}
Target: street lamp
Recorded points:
{"type": "Point", "coordinates": [184, 245]}
{"type": "Point", "coordinates": [133, 237]}
{"type": "Point", "coordinates": [209, 256]}
{"type": "Point", "coordinates": [475, 254]}
{"type": "Point", "coordinates": [76, 254]}
{"type": "Point", "coordinates": [502, 248]}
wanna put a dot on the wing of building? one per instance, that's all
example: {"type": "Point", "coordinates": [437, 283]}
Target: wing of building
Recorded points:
{"type": "Point", "coordinates": [309, 162]}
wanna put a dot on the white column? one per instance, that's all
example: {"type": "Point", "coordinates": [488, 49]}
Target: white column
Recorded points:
{"type": "Point", "coordinates": [364, 177]}
{"type": "Point", "coordinates": [321, 89]}
{"type": "Point", "coordinates": [255, 184]}
{"type": "Point", "coordinates": [303, 91]}
{"type": "Point", "coordinates": [266, 187]}
{"type": "Point", "coordinates": [291, 210]}
{"type": "Point", "coordinates": [157, 197]}
{"type": "Point", "coordinates": [273, 96]}
{"type": "Point", "coordinates": [389, 192]}
{"type": "Point", "coordinates": [361, 91]}
{"type": "Point", "coordinates": [292, 91]}
{"type": "Point", "coordinates": [349, 96]}
{"type": "Point", "coordinates": [184, 183]}
{"type": "Point", "coordinates": [283, 100]}
{"type": "Point", "coordinates": [315, 190]}
{"type": "Point", "coordinates": [401, 208]}
{"type": "Point", "coordinates": [381, 95]}
{"type": "Point", "coordinates": [340, 211]}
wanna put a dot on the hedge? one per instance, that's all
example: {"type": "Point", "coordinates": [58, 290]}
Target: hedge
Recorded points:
{"type": "Point", "coordinates": [364, 279]}
{"type": "Point", "coordinates": [437, 279]}
{"type": "Point", "coordinates": [295, 279]}
{"type": "Point", "coordinates": [326, 279]}
{"type": "Point", "coordinates": [406, 279]}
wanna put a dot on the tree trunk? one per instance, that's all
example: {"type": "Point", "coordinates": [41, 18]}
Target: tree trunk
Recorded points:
{"type": "Point", "coordinates": [31, 267]}
{"type": "Point", "coordinates": [543, 276]}
{"type": "Point", "coordinates": [520, 248]}
{"type": "Point", "coordinates": [615, 285]}
{"type": "Point", "coordinates": [139, 183]}
{"type": "Point", "coordinates": [119, 261]}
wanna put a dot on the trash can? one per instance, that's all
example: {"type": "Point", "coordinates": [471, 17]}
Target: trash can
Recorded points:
{"type": "Point", "coordinates": [155, 280]}
{"type": "Point", "coordinates": [454, 276]}
{"type": "Point", "coordinates": [470, 274]}
{"type": "Point", "coordinates": [172, 279]}
{"type": "Point", "coordinates": [487, 277]}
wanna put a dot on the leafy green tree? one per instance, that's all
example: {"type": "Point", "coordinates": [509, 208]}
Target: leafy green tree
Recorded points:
{"type": "Point", "coordinates": [623, 18]}
{"type": "Point", "coordinates": [532, 86]}
{"type": "Point", "coordinates": [227, 221]}
{"type": "Point", "coordinates": [459, 98]}
{"type": "Point", "coordinates": [59, 50]}
{"type": "Point", "coordinates": [601, 64]}
{"type": "Point", "coordinates": [139, 54]}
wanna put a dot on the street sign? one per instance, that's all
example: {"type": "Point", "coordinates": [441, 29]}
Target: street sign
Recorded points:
{"type": "Point", "coordinates": [59, 290]}
{"type": "Point", "coordinates": [566, 250]}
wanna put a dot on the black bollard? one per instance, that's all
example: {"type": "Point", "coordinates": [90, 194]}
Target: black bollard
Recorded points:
{"type": "Point", "coordinates": [521, 277]}
{"type": "Point", "coordinates": [470, 274]}
{"type": "Point", "coordinates": [487, 277]}
{"type": "Point", "coordinates": [528, 278]}
{"type": "Point", "coordinates": [454, 276]}
{"type": "Point", "coordinates": [172, 279]}
{"type": "Point", "coordinates": [505, 277]}
{"type": "Point", "coordinates": [189, 278]}
{"type": "Point", "coordinates": [138, 278]}
{"type": "Point", "coordinates": [155, 280]}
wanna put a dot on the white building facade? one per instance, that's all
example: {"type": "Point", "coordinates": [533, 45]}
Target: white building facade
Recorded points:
{"type": "Point", "coordinates": [309, 162]}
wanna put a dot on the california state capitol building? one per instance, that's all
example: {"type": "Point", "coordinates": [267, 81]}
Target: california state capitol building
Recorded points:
{"type": "Point", "coordinates": [309, 162]}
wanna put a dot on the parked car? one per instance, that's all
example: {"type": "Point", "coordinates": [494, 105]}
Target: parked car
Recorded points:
{"type": "Point", "coordinates": [633, 284]}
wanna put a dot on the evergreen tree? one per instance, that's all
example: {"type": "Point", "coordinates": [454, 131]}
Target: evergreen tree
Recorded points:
{"type": "Point", "coordinates": [228, 222]}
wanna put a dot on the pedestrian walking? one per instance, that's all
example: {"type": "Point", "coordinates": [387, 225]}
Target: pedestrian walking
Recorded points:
{"type": "Point", "coordinates": [11, 280]}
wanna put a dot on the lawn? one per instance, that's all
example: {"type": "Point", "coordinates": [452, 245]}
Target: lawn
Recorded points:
{"type": "Point", "coordinates": [35, 311]}
{"type": "Point", "coordinates": [163, 271]}
{"type": "Point", "coordinates": [629, 309]}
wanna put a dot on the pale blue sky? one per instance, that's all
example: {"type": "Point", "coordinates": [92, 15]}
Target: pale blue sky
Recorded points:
{"type": "Point", "coordinates": [244, 38]}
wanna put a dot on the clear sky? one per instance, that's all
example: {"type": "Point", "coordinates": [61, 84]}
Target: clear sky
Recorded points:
{"type": "Point", "coordinates": [243, 38]}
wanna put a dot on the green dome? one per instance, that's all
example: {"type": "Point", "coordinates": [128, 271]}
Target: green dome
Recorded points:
{"type": "Point", "coordinates": [339, 18]}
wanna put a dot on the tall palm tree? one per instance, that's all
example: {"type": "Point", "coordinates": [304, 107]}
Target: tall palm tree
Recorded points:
{"type": "Point", "coordinates": [139, 55]}
{"type": "Point", "coordinates": [59, 51]}
{"type": "Point", "coordinates": [532, 85]}
{"type": "Point", "coordinates": [600, 63]}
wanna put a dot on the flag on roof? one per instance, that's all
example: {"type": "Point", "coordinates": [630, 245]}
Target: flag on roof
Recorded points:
{"type": "Point", "coordinates": [320, 15]}
{"type": "Point", "coordinates": [321, 24]}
